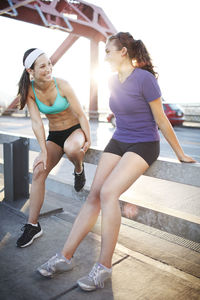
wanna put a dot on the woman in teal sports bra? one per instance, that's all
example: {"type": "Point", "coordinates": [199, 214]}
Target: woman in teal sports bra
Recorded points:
{"type": "Point", "coordinates": [69, 131]}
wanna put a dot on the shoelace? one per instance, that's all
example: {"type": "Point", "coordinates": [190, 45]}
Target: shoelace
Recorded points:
{"type": "Point", "coordinates": [94, 274]}
{"type": "Point", "coordinates": [50, 263]}
{"type": "Point", "coordinates": [24, 227]}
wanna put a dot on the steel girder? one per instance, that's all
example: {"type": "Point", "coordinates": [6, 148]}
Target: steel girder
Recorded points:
{"type": "Point", "coordinates": [78, 18]}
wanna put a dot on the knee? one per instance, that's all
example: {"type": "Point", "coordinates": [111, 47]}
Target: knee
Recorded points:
{"type": "Point", "coordinates": [39, 173]}
{"type": "Point", "coordinates": [94, 198]}
{"type": "Point", "coordinates": [72, 150]}
{"type": "Point", "coordinates": [106, 195]}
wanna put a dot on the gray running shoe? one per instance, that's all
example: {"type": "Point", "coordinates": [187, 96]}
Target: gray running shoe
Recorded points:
{"type": "Point", "coordinates": [56, 264]}
{"type": "Point", "coordinates": [95, 279]}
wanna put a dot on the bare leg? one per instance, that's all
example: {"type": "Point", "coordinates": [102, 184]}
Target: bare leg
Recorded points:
{"type": "Point", "coordinates": [54, 153]}
{"type": "Point", "coordinates": [72, 148]}
{"type": "Point", "coordinates": [91, 208]}
{"type": "Point", "coordinates": [129, 168]}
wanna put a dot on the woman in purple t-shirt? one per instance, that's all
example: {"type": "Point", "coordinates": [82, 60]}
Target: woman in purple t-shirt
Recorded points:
{"type": "Point", "coordinates": [136, 102]}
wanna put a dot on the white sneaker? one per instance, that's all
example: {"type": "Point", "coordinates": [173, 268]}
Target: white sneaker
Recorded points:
{"type": "Point", "coordinates": [96, 278]}
{"type": "Point", "coordinates": [56, 264]}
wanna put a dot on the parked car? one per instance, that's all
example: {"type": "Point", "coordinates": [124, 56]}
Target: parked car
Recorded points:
{"type": "Point", "coordinates": [172, 111]}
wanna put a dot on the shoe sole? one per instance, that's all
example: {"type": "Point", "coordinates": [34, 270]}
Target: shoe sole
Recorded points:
{"type": "Point", "coordinates": [43, 275]}
{"type": "Point", "coordinates": [31, 241]}
{"type": "Point", "coordinates": [51, 275]}
{"type": "Point", "coordinates": [86, 287]}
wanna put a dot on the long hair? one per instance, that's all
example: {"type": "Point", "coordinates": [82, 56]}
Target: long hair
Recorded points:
{"type": "Point", "coordinates": [136, 50]}
{"type": "Point", "coordinates": [24, 82]}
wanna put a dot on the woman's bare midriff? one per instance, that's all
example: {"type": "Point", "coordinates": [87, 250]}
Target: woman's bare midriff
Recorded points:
{"type": "Point", "coordinates": [62, 120]}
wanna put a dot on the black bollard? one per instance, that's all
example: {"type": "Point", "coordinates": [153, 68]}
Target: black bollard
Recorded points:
{"type": "Point", "coordinates": [16, 170]}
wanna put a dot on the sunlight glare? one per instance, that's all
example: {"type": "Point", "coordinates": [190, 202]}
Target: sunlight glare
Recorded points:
{"type": "Point", "coordinates": [101, 73]}
{"type": "Point", "coordinates": [101, 76]}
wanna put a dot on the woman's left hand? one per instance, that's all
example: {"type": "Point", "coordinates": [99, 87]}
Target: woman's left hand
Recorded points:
{"type": "Point", "coordinates": [187, 159]}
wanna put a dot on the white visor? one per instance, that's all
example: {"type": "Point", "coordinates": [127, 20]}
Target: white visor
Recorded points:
{"type": "Point", "coordinates": [31, 58]}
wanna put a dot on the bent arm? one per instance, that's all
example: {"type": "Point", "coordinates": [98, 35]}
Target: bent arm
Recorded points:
{"type": "Point", "coordinates": [37, 124]}
{"type": "Point", "coordinates": [167, 130]}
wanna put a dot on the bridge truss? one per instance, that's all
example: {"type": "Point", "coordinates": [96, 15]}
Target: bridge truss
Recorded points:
{"type": "Point", "coordinates": [77, 18]}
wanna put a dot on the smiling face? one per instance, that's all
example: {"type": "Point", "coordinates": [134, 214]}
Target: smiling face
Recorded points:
{"type": "Point", "coordinates": [42, 68]}
{"type": "Point", "coordinates": [113, 55]}
{"type": "Point", "coordinates": [116, 55]}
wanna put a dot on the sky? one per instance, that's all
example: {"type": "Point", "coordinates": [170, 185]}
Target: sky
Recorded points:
{"type": "Point", "coordinates": [169, 29]}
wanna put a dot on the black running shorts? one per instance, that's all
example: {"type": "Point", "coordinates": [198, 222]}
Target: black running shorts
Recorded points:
{"type": "Point", "coordinates": [149, 151]}
{"type": "Point", "coordinates": [59, 137]}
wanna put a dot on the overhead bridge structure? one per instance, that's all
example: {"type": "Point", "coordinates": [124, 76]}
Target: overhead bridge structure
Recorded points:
{"type": "Point", "coordinates": [76, 18]}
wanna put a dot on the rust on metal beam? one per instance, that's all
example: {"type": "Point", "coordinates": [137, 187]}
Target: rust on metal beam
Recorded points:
{"type": "Point", "coordinates": [68, 42]}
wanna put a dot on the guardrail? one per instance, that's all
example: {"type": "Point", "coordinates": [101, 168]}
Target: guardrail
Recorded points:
{"type": "Point", "coordinates": [166, 169]}
{"type": "Point", "coordinates": [191, 113]}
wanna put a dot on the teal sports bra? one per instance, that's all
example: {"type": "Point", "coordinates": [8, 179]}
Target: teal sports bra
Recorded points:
{"type": "Point", "coordinates": [60, 103]}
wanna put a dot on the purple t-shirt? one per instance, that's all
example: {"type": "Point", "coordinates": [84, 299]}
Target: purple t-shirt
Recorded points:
{"type": "Point", "coordinates": [129, 101]}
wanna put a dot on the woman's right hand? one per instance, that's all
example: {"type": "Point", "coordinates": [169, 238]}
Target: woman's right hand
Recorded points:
{"type": "Point", "coordinates": [187, 159]}
{"type": "Point", "coordinates": [41, 158]}
{"type": "Point", "coordinates": [86, 146]}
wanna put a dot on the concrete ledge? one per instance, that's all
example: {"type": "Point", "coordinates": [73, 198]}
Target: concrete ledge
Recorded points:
{"type": "Point", "coordinates": [167, 169]}
{"type": "Point", "coordinates": [169, 220]}
{"type": "Point", "coordinates": [173, 170]}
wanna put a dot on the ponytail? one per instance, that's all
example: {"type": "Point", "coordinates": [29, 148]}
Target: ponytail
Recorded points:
{"type": "Point", "coordinates": [142, 57]}
{"type": "Point", "coordinates": [136, 51]}
{"type": "Point", "coordinates": [23, 88]}
{"type": "Point", "coordinates": [24, 82]}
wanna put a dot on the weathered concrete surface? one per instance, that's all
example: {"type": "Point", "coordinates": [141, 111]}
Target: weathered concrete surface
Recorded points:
{"type": "Point", "coordinates": [18, 277]}
{"type": "Point", "coordinates": [145, 266]}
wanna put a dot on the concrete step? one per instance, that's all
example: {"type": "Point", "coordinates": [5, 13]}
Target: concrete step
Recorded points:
{"type": "Point", "coordinates": [168, 206]}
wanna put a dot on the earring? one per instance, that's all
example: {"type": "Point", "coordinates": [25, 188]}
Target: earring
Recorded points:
{"type": "Point", "coordinates": [31, 77]}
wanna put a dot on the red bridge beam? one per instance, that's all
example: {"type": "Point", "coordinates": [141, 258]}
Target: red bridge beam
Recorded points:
{"type": "Point", "coordinates": [78, 18]}
{"type": "Point", "coordinates": [86, 19]}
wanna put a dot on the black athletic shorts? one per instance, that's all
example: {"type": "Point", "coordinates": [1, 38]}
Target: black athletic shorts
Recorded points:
{"type": "Point", "coordinates": [59, 137]}
{"type": "Point", "coordinates": [149, 151]}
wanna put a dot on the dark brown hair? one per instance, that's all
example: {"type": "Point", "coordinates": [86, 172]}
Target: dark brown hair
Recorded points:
{"type": "Point", "coordinates": [136, 50]}
{"type": "Point", "coordinates": [24, 82]}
